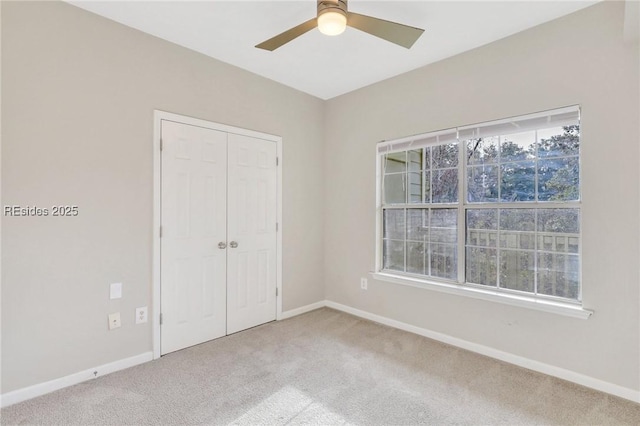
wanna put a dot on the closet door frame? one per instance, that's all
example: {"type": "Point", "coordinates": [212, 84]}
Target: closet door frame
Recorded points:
{"type": "Point", "coordinates": [158, 117]}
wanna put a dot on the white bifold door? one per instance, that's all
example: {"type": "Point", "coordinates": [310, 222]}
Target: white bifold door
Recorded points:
{"type": "Point", "coordinates": [218, 242]}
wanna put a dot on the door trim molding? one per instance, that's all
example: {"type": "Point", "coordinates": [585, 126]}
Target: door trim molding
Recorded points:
{"type": "Point", "coordinates": [158, 117]}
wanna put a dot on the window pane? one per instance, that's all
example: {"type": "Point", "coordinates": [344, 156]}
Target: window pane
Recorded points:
{"type": "Point", "coordinates": [482, 266]}
{"type": "Point", "coordinates": [444, 156]}
{"type": "Point", "coordinates": [517, 270]}
{"type": "Point", "coordinates": [558, 179]}
{"type": "Point", "coordinates": [518, 219]}
{"type": "Point", "coordinates": [482, 226]}
{"type": "Point", "coordinates": [518, 181]}
{"type": "Point", "coordinates": [558, 275]}
{"type": "Point", "coordinates": [558, 243]}
{"type": "Point", "coordinates": [482, 184]}
{"type": "Point", "coordinates": [417, 224]}
{"type": "Point", "coordinates": [559, 220]}
{"type": "Point", "coordinates": [415, 160]}
{"type": "Point", "coordinates": [517, 228]}
{"type": "Point", "coordinates": [482, 150]}
{"type": "Point", "coordinates": [427, 186]}
{"type": "Point", "coordinates": [444, 225]}
{"type": "Point", "coordinates": [416, 258]}
{"type": "Point", "coordinates": [393, 255]}
{"type": "Point", "coordinates": [395, 162]}
{"type": "Point", "coordinates": [415, 187]}
{"type": "Point", "coordinates": [559, 230]}
{"type": "Point", "coordinates": [519, 146]}
{"type": "Point", "coordinates": [444, 261]}
{"type": "Point", "coordinates": [394, 189]}
{"type": "Point", "coordinates": [445, 186]}
{"type": "Point", "coordinates": [393, 224]}
{"type": "Point", "coordinates": [559, 141]}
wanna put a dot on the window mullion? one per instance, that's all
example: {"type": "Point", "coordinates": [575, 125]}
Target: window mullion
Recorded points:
{"type": "Point", "coordinates": [428, 244]}
{"type": "Point", "coordinates": [535, 172]}
{"type": "Point", "coordinates": [380, 211]}
{"type": "Point", "coordinates": [499, 233]}
{"type": "Point", "coordinates": [406, 244]}
{"type": "Point", "coordinates": [462, 226]}
{"type": "Point", "coordinates": [535, 246]}
{"type": "Point", "coordinates": [424, 175]}
{"type": "Point", "coordinates": [499, 166]}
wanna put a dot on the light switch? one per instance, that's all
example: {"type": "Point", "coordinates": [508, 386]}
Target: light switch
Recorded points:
{"type": "Point", "coordinates": [114, 321]}
{"type": "Point", "coordinates": [116, 291]}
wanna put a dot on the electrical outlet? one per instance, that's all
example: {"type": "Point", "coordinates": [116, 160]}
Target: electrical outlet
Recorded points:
{"type": "Point", "coordinates": [114, 321]}
{"type": "Point", "coordinates": [141, 315]}
{"type": "Point", "coordinates": [363, 283]}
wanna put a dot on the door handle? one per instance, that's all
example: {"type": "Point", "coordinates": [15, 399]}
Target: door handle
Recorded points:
{"type": "Point", "coordinates": [233, 244]}
{"type": "Point", "coordinates": [222, 245]}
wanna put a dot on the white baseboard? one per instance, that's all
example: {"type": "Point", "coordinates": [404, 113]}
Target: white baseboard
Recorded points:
{"type": "Point", "coordinates": [561, 373]}
{"type": "Point", "coordinates": [302, 310]}
{"type": "Point", "coordinates": [29, 392]}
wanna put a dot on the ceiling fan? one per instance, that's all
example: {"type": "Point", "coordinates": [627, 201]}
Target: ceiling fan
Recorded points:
{"type": "Point", "coordinates": [332, 19]}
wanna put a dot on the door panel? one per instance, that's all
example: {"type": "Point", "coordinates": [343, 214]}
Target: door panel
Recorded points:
{"type": "Point", "coordinates": [251, 278]}
{"type": "Point", "coordinates": [194, 216]}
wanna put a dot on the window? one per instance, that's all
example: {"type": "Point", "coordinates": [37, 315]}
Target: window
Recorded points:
{"type": "Point", "coordinates": [491, 206]}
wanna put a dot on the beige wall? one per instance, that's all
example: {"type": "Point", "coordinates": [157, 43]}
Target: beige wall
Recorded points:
{"type": "Point", "coordinates": [579, 59]}
{"type": "Point", "coordinates": [77, 107]}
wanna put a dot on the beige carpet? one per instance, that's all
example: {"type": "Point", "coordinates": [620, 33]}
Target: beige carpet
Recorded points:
{"type": "Point", "coordinates": [325, 368]}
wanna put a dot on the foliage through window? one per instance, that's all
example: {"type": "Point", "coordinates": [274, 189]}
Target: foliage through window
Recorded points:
{"type": "Point", "coordinates": [494, 205]}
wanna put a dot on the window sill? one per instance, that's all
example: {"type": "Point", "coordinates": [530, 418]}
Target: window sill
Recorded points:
{"type": "Point", "coordinates": [565, 309]}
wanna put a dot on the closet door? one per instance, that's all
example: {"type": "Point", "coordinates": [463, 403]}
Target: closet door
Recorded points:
{"type": "Point", "coordinates": [251, 231]}
{"type": "Point", "coordinates": [194, 220]}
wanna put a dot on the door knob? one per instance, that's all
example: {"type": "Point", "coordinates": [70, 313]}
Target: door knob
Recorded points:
{"type": "Point", "coordinates": [233, 244]}
{"type": "Point", "coordinates": [222, 245]}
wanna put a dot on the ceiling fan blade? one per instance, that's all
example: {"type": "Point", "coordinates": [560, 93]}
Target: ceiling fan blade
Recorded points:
{"type": "Point", "coordinates": [400, 34]}
{"type": "Point", "coordinates": [285, 37]}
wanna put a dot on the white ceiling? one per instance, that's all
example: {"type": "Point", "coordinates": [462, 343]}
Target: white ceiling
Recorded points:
{"type": "Point", "coordinates": [329, 66]}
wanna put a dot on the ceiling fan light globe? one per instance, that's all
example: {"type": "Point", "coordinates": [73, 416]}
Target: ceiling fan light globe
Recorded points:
{"type": "Point", "coordinates": [332, 23]}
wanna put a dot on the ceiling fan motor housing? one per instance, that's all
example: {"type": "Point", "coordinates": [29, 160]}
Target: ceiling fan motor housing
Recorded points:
{"type": "Point", "coordinates": [339, 6]}
{"type": "Point", "coordinates": [332, 19]}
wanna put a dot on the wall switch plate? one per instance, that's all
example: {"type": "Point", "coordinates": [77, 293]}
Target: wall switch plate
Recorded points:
{"type": "Point", "coordinates": [363, 283]}
{"type": "Point", "coordinates": [115, 291]}
{"type": "Point", "coordinates": [114, 321]}
{"type": "Point", "coordinates": [141, 315]}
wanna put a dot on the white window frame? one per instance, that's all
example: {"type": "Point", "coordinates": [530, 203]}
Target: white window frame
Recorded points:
{"type": "Point", "coordinates": [500, 295]}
